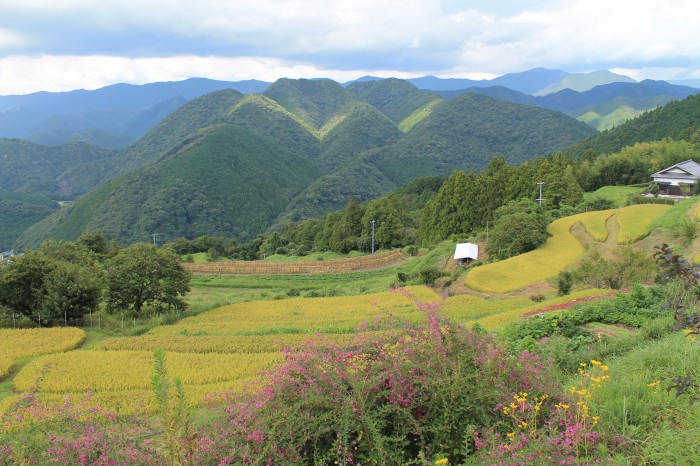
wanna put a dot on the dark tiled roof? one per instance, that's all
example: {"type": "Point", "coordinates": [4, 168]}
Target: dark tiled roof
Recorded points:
{"type": "Point", "coordinates": [690, 166]}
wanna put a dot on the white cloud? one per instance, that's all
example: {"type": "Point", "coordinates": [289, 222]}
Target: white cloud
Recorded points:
{"type": "Point", "coordinates": [9, 39]}
{"type": "Point", "coordinates": [21, 75]}
{"type": "Point", "coordinates": [303, 38]}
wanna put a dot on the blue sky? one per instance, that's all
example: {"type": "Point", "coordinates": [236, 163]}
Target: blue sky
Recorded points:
{"type": "Point", "coordinates": [59, 45]}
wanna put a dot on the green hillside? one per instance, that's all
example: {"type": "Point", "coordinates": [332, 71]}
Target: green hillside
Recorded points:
{"type": "Point", "coordinates": [395, 98]}
{"type": "Point", "coordinates": [361, 129]}
{"type": "Point", "coordinates": [465, 133]}
{"type": "Point", "coordinates": [229, 181]}
{"type": "Point", "coordinates": [268, 118]}
{"type": "Point", "coordinates": [174, 132]}
{"type": "Point", "coordinates": [678, 119]}
{"type": "Point", "coordinates": [314, 101]}
{"type": "Point", "coordinates": [18, 211]}
{"type": "Point", "coordinates": [232, 165]}
{"type": "Point", "coordinates": [60, 172]}
{"type": "Point", "coordinates": [619, 110]}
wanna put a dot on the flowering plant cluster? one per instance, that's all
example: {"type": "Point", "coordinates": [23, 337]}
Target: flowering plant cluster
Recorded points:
{"type": "Point", "coordinates": [548, 430]}
{"type": "Point", "coordinates": [415, 395]}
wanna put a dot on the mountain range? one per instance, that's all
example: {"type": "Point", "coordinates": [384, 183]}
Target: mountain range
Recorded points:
{"type": "Point", "coordinates": [233, 164]}
{"type": "Point", "coordinates": [212, 160]}
{"type": "Point", "coordinates": [114, 117]}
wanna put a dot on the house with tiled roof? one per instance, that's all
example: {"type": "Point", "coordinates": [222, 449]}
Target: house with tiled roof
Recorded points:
{"type": "Point", "coordinates": [677, 180]}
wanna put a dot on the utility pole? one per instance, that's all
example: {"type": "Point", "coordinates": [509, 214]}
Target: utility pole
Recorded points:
{"type": "Point", "coordinates": [487, 231]}
{"type": "Point", "coordinates": [154, 239]}
{"type": "Point", "coordinates": [373, 221]}
{"type": "Point", "coordinates": [540, 199]}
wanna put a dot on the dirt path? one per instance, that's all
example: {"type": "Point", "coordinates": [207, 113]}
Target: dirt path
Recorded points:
{"type": "Point", "coordinates": [573, 302]}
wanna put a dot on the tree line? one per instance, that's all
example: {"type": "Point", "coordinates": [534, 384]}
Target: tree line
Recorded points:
{"type": "Point", "coordinates": [502, 199]}
{"type": "Point", "coordinates": [61, 282]}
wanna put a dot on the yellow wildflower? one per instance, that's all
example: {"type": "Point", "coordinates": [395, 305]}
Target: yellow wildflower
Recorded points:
{"type": "Point", "coordinates": [596, 363]}
{"type": "Point", "coordinates": [442, 461]}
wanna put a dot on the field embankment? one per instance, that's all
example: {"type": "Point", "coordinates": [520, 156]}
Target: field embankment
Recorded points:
{"type": "Point", "coordinates": [352, 264]}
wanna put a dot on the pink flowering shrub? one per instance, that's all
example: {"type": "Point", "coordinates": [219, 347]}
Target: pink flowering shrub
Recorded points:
{"type": "Point", "coordinates": [73, 433]}
{"type": "Point", "coordinates": [411, 395]}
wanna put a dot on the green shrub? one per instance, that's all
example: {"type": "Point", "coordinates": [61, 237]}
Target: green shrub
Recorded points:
{"type": "Point", "coordinates": [639, 199]}
{"type": "Point", "coordinates": [428, 276]}
{"type": "Point", "coordinates": [565, 282]}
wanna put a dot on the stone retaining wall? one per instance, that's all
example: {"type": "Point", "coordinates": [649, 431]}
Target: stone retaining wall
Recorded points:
{"type": "Point", "coordinates": [353, 264]}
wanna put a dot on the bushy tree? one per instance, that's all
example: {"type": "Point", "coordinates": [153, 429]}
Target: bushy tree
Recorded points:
{"type": "Point", "coordinates": [625, 267]}
{"type": "Point", "coordinates": [143, 275]}
{"type": "Point", "coordinates": [518, 227]}
{"type": "Point", "coordinates": [61, 282]}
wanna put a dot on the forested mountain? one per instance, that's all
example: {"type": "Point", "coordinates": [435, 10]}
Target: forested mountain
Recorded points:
{"type": "Point", "coordinates": [116, 116]}
{"type": "Point", "coordinates": [56, 172]}
{"type": "Point", "coordinates": [602, 107]}
{"type": "Point", "coordinates": [231, 164]}
{"type": "Point", "coordinates": [18, 211]}
{"type": "Point", "coordinates": [395, 98]}
{"type": "Point", "coordinates": [676, 120]}
{"type": "Point", "coordinates": [228, 180]}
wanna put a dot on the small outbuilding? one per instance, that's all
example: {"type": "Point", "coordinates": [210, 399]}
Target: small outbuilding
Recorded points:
{"type": "Point", "coordinates": [466, 252]}
{"type": "Point", "coordinates": [671, 179]}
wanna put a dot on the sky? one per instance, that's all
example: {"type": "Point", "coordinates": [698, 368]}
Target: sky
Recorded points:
{"type": "Point", "coordinates": [61, 45]}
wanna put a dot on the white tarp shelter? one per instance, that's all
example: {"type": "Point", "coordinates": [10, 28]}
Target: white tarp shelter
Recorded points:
{"type": "Point", "coordinates": [465, 252]}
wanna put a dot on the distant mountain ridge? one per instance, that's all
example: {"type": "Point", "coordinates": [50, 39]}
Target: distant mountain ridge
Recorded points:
{"type": "Point", "coordinates": [112, 117]}
{"type": "Point", "coordinates": [602, 102]}
{"type": "Point", "coordinates": [116, 116]}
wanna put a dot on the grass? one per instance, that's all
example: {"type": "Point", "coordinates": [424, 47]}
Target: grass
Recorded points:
{"type": "Point", "coordinates": [665, 427]}
{"type": "Point", "coordinates": [468, 307]}
{"type": "Point", "coordinates": [617, 194]}
{"type": "Point", "coordinates": [673, 217]}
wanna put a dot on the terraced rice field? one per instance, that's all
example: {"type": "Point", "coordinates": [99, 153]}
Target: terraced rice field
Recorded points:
{"type": "Point", "coordinates": [212, 353]}
{"type": "Point", "coordinates": [595, 224]}
{"type": "Point", "coordinates": [224, 349]}
{"type": "Point", "coordinates": [561, 250]}
{"type": "Point", "coordinates": [18, 344]}
{"type": "Point", "coordinates": [300, 315]}
{"type": "Point", "coordinates": [635, 221]}
{"type": "Point", "coordinates": [498, 320]}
